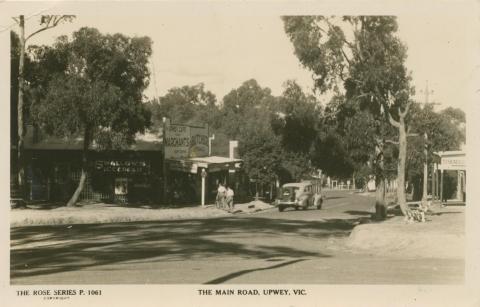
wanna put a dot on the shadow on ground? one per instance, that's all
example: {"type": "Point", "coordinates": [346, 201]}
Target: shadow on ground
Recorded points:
{"type": "Point", "coordinates": [43, 205]}
{"type": "Point", "coordinates": [357, 212]}
{"type": "Point", "coordinates": [40, 250]}
{"type": "Point", "coordinates": [334, 197]}
{"type": "Point", "coordinates": [243, 272]}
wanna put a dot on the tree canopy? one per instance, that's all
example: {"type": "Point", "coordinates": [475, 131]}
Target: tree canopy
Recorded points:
{"type": "Point", "coordinates": [104, 76]}
{"type": "Point", "coordinates": [91, 85]}
{"type": "Point", "coordinates": [240, 103]}
{"type": "Point", "coordinates": [186, 104]}
{"type": "Point", "coordinates": [95, 90]}
{"type": "Point", "coordinates": [445, 131]}
{"type": "Point", "coordinates": [362, 58]}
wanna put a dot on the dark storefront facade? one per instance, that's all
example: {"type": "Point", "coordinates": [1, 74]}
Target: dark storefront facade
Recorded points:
{"type": "Point", "coordinates": [135, 175]}
{"type": "Point", "coordinates": [200, 177]}
{"type": "Point", "coordinates": [449, 176]}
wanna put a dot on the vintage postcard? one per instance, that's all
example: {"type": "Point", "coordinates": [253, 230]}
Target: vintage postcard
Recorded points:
{"type": "Point", "coordinates": [240, 153]}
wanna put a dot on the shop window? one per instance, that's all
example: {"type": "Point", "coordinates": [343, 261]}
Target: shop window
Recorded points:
{"type": "Point", "coordinates": [121, 186]}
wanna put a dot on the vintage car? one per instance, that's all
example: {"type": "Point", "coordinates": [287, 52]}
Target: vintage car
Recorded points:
{"type": "Point", "coordinates": [300, 195]}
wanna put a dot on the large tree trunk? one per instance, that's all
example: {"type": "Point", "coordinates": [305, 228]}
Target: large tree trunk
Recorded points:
{"type": "Point", "coordinates": [380, 205]}
{"type": "Point", "coordinates": [402, 156]}
{"type": "Point", "coordinates": [353, 181]}
{"type": "Point", "coordinates": [425, 171]}
{"type": "Point", "coordinates": [83, 177]}
{"type": "Point", "coordinates": [21, 125]}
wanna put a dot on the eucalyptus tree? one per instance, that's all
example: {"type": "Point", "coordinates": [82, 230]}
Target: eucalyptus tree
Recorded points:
{"type": "Point", "coordinates": [189, 104]}
{"type": "Point", "coordinates": [46, 22]}
{"type": "Point", "coordinates": [239, 104]}
{"type": "Point", "coordinates": [445, 131]}
{"type": "Point", "coordinates": [362, 57]}
{"type": "Point", "coordinates": [96, 92]}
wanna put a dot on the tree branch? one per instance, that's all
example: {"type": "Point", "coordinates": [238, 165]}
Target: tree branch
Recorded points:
{"type": "Point", "coordinates": [392, 121]}
{"type": "Point", "coordinates": [379, 141]}
{"type": "Point", "coordinates": [51, 22]}
{"type": "Point", "coordinates": [38, 31]}
{"type": "Point", "coordinates": [362, 95]}
{"type": "Point", "coordinates": [346, 58]}
{"type": "Point", "coordinates": [407, 107]}
{"type": "Point", "coordinates": [392, 142]}
{"type": "Point", "coordinates": [330, 26]}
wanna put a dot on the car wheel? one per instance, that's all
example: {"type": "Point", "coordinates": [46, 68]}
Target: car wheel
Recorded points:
{"type": "Point", "coordinates": [280, 208]}
{"type": "Point", "coordinates": [319, 206]}
{"type": "Point", "coordinates": [296, 207]}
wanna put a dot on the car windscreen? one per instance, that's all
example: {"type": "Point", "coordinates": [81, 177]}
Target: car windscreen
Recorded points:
{"type": "Point", "coordinates": [288, 191]}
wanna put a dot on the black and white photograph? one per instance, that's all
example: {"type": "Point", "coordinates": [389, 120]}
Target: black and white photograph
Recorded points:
{"type": "Point", "coordinates": [240, 153]}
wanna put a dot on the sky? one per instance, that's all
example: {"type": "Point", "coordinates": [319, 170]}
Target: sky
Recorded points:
{"type": "Point", "coordinates": [222, 51]}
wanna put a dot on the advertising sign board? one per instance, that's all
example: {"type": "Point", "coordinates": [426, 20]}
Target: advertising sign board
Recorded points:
{"type": "Point", "coordinates": [182, 141]}
{"type": "Point", "coordinates": [123, 166]}
{"type": "Point", "coordinates": [198, 142]}
{"type": "Point", "coordinates": [177, 141]}
{"type": "Point", "coordinates": [453, 163]}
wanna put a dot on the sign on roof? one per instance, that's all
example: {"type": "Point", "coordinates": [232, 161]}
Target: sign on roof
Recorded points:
{"type": "Point", "coordinates": [456, 162]}
{"type": "Point", "coordinates": [198, 142]}
{"type": "Point", "coordinates": [182, 141]}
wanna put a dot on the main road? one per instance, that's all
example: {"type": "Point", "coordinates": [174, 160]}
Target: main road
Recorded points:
{"type": "Point", "coordinates": [290, 247]}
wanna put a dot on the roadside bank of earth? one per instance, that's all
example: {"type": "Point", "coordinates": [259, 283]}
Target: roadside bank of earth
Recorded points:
{"type": "Point", "coordinates": [108, 213]}
{"type": "Point", "coordinates": [441, 236]}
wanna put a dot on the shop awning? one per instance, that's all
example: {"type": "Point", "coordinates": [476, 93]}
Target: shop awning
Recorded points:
{"type": "Point", "coordinates": [210, 164]}
{"type": "Point", "coordinates": [451, 160]}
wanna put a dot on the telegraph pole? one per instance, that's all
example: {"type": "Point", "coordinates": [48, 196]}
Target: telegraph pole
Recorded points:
{"type": "Point", "coordinates": [427, 93]}
{"type": "Point", "coordinates": [425, 169]}
{"type": "Point", "coordinates": [164, 162]}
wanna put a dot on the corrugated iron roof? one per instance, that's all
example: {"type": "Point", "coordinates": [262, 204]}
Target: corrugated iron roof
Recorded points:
{"type": "Point", "coordinates": [214, 159]}
{"type": "Point", "coordinates": [143, 142]}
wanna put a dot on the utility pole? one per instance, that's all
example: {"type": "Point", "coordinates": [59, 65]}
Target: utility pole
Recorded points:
{"type": "Point", "coordinates": [164, 162]}
{"type": "Point", "coordinates": [427, 93]}
{"type": "Point", "coordinates": [425, 169]}
{"type": "Point", "coordinates": [46, 22]}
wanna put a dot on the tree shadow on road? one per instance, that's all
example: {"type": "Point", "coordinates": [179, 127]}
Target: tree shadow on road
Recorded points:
{"type": "Point", "coordinates": [356, 212]}
{"type": "Point", "coordinates": [334, 197]}
{"type": "Point", "coordinates": [43, 250]}
{"type": "Point", "coordinates": [243, 272]}
{"type": "Point", "coordinates": [442, 213]}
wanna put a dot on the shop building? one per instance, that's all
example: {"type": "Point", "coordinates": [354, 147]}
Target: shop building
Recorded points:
{"type": "Point", "coordinates": [200, 177]}
{"type": "Point", "coordinates": [450, 176]}
{"type": "Point", "coordinates": [132, 175]}
{"type": "Point", "coordinates": [192, 172]}
{"type": "Point", "coordinates": [135, 174]}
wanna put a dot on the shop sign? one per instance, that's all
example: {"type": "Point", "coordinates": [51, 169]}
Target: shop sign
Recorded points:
{"type": "Point", "coordinates": [453, 163]}
{"type": "Point", "coordinates": [121, 186]}
{"type": "Point", "coordinates": [177, 141]}
{"type": "Point", "coordinates": [122, 166]}
{"type": "Point", "coordinates": [198, 142]}
{"type": "Point", "coordinates": [181, 166]}
{"type": "Point", "coordinates": [182, 141]}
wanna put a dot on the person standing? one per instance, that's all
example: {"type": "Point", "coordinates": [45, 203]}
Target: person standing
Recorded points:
{"type": "Point", "coordinates": [221, 191]}
{"type": "Point", "coordinates": [230, 195]}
